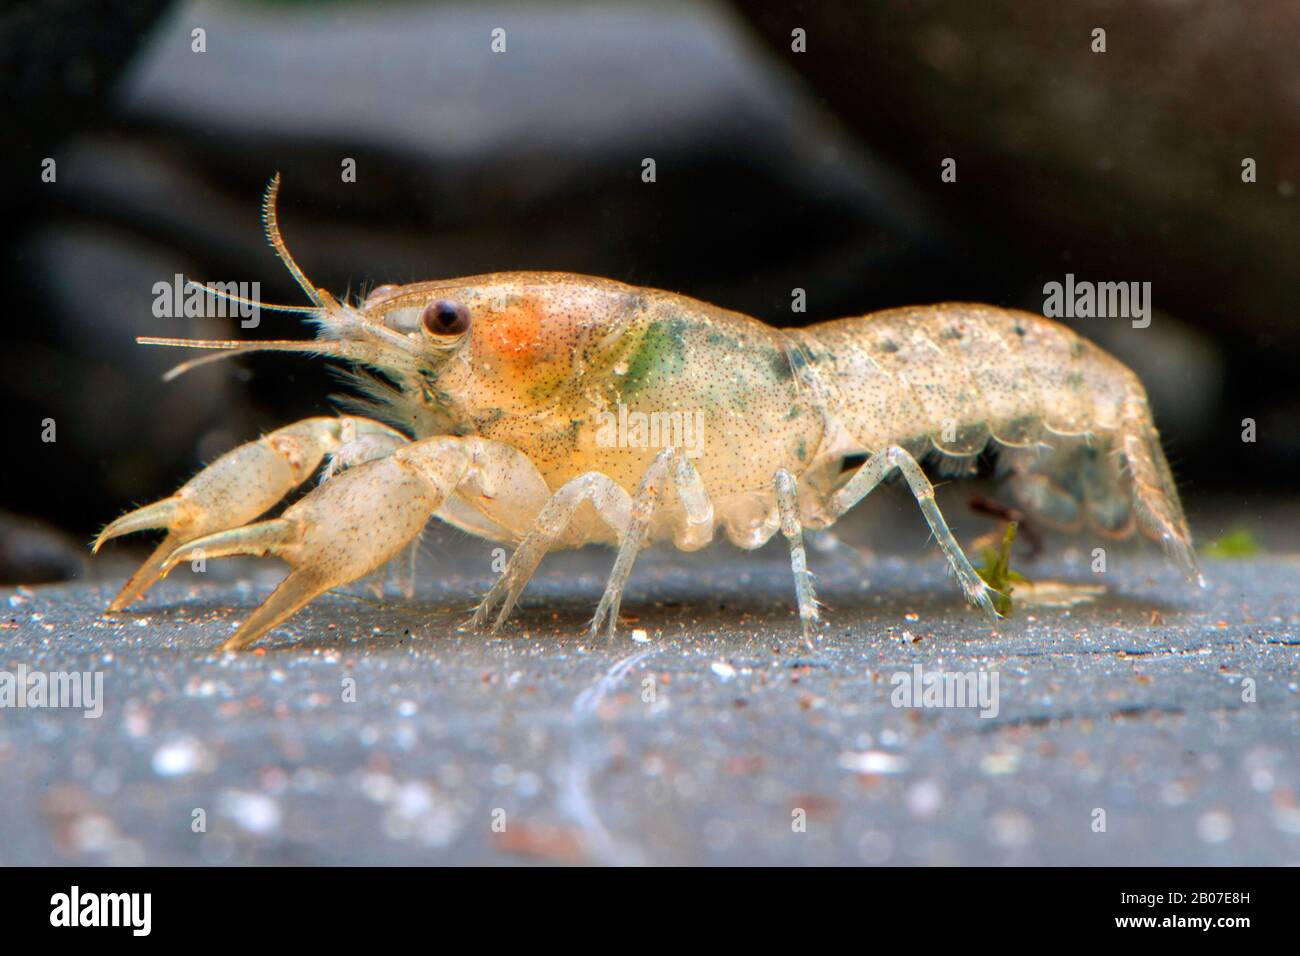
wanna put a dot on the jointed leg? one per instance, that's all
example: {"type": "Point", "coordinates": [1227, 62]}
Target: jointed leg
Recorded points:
{"type": "Point", "coordinates": [406, 571]}
{"type": "Point", "coordinates": [357, 448]}
{"type": "Point", "coordinates": [359, 520]}
{"type": "Point", "coordinates": [359, 445]}
{"type": "Point", "coordinates": [875, 470]}
{"type": "Point", "coordinates": [611, 503]}
{"type": "Point", "coordinates": [628, 515]}
{"type": "Point", "coordinates": [787, 501]}
{"type": "Point", "coordinates": [341, 531]}
{"type": "Point", "coordinates": [236, 488]}
{"type": "Point", "coordinates": [696, 532]}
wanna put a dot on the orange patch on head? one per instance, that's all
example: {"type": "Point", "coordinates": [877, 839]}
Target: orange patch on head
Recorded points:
{"type": "Point", "coordinates": [524, 348]}
{"type": "Point", "coordinates": [515, 334]}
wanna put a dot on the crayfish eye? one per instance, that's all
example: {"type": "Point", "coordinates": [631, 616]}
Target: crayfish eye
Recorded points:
{"type": "Point", "coordinates": [445, 317]}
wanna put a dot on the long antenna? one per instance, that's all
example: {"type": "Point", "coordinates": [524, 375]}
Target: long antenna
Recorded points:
{"type": "Point", "coordinates": [277, 241]}
{"type": "Point", "coordinates": [354, 351]}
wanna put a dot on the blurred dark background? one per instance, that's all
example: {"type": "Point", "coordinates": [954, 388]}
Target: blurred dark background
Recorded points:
{"type": "Point", "coordinates": [775, 169]}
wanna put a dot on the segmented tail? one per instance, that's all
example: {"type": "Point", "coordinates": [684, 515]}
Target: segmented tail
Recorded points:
{"type": "Point", "coordinates": [1159, 512]}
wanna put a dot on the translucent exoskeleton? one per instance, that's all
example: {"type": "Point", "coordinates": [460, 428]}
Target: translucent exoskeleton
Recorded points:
{"type": "Point", "coordinates": [549, 410]}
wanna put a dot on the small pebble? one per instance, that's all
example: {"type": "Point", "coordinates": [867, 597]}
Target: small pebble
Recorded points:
{"type": "Point", "coordinates": [178, 758]}
{"type": "Point", "coordinates": [254, 812]}
{"type": "Point", "coordinates": [873, 762]}
{"type": "Point", "coordinates": [1214, 827]}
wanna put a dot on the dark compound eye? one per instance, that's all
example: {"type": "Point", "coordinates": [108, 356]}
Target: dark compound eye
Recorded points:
{"type": "Point", "coordinates": [445, 317]}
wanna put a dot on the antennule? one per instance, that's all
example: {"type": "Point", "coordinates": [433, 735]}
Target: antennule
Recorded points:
{"type": "Point", "coordinates": [272, 224]}
{"type": "Point", "coordinates": [231, 297]}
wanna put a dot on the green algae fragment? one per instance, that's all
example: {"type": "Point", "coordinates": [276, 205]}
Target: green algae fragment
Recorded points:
{"type": "Point", "coordinates": [997, 574]}
{"type": "Point", "coordinates": [1237, 543]}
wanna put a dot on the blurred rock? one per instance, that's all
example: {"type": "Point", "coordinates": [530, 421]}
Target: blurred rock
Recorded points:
{"type": "Point", "coordinates": [33, 552]}
{"type": "Point", "coordinates": [1125, 165]}
{"type": "Point", "coordinates": [472, 161]}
